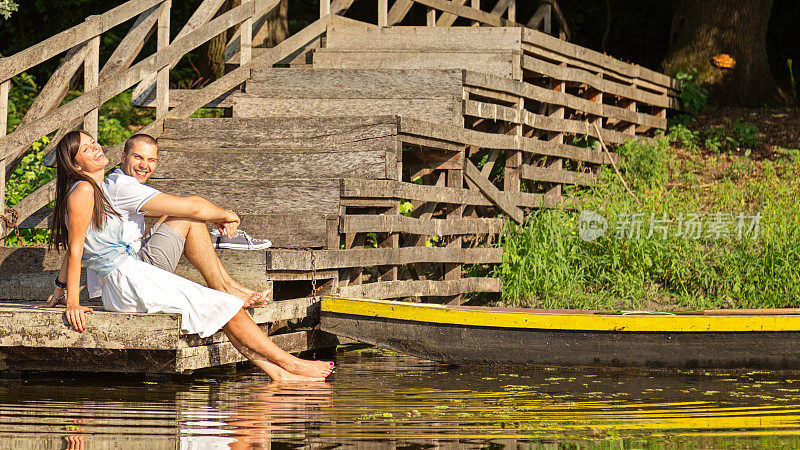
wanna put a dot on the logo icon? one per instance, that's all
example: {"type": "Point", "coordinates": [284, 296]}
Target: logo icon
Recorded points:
{"type": "Point", "coordinates": [591, 225]}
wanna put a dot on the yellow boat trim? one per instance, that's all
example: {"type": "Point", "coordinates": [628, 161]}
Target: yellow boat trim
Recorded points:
{"type": "Point", "coordinates": [441, 314]}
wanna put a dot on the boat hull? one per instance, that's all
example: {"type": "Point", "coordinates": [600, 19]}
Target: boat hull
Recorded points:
{"type": "Point", "coordinates": [463, 343]}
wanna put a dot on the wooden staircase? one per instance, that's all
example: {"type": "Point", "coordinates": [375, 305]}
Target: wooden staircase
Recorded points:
{"type": "Point", "coordinates": [381, 160]}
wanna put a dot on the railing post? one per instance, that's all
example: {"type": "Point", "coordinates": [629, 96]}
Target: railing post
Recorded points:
{"type": "Point", "coordinates": [512, 10]}
{"type": "Point", "coordinates": [383, 13]}
{"type": "Point", "coordinates": [477, 5]}
{"type": "Point", "coordinates": [162, 78]}
{"type": "Point", "coordinates": [324, 7]}
{"type": "Point", "coordinates": [91, 80]}
{"type": "Point", "coordinates": [431, 17]}
{"type": "Point", "coordinates": [4, 87]}
{"type": "Point", "coordinates": [246, 40]}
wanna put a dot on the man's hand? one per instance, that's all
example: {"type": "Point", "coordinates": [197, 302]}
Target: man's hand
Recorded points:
{"type": "Point", "coordinates": [229, 224]}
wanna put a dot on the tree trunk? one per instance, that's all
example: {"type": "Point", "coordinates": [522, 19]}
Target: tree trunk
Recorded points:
{"type": "Point", "coordinates": [702, 29]}
{"type": "Point", "coordinates": [276, 30]}
{"type": "Point", "coordinates": [212, 65]}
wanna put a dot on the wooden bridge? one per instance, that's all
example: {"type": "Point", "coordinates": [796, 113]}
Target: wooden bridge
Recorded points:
{"type": "Point", "coordinates": [378, 158]}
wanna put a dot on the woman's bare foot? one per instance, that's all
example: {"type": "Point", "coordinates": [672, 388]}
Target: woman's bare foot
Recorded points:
{"type": "Point", "coordinates": [277, 373]}
{"type": "Point", "coordinates": [309, 368]}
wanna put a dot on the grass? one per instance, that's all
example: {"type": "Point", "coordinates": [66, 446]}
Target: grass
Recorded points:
{"type": "Point", "coordinates": [547, 264]}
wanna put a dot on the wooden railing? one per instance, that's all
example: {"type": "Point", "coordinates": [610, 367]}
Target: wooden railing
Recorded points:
{"type": "Point", "coordinates": [82, 42]}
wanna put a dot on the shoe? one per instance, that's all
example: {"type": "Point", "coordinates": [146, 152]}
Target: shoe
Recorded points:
{"type": "Point", "coordinates": [240, 241]}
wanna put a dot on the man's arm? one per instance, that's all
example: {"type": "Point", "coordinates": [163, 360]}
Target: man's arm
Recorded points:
{"type": "Point", "coordinates": [193, 207]}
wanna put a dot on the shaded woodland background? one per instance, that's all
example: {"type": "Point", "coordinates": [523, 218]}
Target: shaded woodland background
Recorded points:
{"type": "Point", "coordinates": [635, 31]}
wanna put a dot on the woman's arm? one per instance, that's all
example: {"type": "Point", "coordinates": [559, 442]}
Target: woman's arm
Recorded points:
{"type": "Point", "coordinates": [79, 204]}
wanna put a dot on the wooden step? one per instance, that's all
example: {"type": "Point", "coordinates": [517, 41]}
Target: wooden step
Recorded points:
{"type": "Point", "coordinates": [431, 95]}
{"type": "Point", "coordinates": [504, 63]}
{"type": "Point", "coordinates": [365, 37]}
{"type": "Point", "coordinates": [290, 148]}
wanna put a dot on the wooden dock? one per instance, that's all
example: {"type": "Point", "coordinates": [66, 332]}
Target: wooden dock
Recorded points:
{"type": "Point", "coordinates": [380, 159]}
{"type": "Point", "coordinates": [41, 339]}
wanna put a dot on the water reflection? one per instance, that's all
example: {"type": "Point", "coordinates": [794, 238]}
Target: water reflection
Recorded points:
{"type": "Point", "coordinates": [380, 400]}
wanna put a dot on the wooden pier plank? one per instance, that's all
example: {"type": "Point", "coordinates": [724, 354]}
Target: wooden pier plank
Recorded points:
{"type": "Point", "coordinates": [421, 288]}
{"type": "Point", "coordinates": [412, 225]}
{"type": "Point", "coordinates": [22, 326]}
{"type": "Point", "coordinates": [279, 259]}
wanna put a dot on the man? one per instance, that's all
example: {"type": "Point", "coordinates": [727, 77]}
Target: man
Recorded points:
{"type": "Point", "coordinates": [181, 228]}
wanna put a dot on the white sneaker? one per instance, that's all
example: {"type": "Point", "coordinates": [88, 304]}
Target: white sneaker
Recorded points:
{"type": "Point", "coordinates": [240, 241]}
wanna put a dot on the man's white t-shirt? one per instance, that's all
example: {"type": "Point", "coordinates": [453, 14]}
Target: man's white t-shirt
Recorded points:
{"type": "Point", "coordinates": [127, 196]}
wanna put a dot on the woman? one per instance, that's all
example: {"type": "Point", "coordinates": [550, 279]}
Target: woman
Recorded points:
{"type": "Point", "coordinates": [86, 225]}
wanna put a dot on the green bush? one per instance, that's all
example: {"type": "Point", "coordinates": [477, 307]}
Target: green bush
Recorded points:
{"type": "Point", "coordinates": [693, 97]}
{"type": "Point", "coordinates": [547, 264]}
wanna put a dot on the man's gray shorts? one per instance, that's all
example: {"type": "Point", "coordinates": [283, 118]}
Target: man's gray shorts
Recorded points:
{"type": "Point", "coordinates": [162, 247]}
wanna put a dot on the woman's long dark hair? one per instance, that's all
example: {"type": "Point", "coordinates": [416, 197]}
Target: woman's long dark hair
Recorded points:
{"type": "Point", "coordinates": [67, 175]}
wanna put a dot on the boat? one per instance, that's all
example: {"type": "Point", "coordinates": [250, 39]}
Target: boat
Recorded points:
{"type": "Point", "coordinates": [712, 339]}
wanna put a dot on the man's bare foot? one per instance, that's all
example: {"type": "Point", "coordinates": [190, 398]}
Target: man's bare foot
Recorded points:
{"type": "Point", "coordinates": [309, 368]}
{"type": "Point", "coordinates": [257, 299]}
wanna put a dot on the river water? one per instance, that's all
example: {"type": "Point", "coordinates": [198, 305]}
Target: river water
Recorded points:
{"type": "Point", "coordinates": [378, 399]}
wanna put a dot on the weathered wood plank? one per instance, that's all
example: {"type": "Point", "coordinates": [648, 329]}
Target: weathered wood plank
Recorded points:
{"type": "Point", "coordinates": [48, 327]}
{"type": "Point", "coordinates": [374, 133]}
{"type": "Point", "coordinates": [55, 89]}
{"type": "Point", "coordinates": [469, 13]}
{"type": "Point", "coordinates": [438, 109]}
{"type": "Point", "coordinates": [398, 11]}
{"type": "Point", "coordinates": [420, 288]}
{"type": "Point", "coordinates": [570, 74]}
{"type": "Point", "coordinates": [422, 39]}
{"type": "Point", "coordinates": [365, 257]}
{"type": "Point", "coordinates": [255, 197]}
{"type": "Point", "coordinates": [337, 83]}
{"type": "Point", "coordinates": [352, 187]}
{"type": "Point", "coordinates": [577, 52]}
{"type": "Point", "coordinates": [447, 19]}
{"type": "Point", "coordinates": [501, 62]}
{"type": "Point", "coordinates": [412, 225]}
{"type": "Point", "coordinates": [495, 195]}
{"type": "Point", "coordinates": [178, 96]}
{"type": "Point", "coordinates": [192, 358]}
{"type": "Point", "coordinates": [377, 189]}
{"type": "Point", "coordinates": [34, 285]}
{"type": "Point", "coordinates": [87, 360]}
{"type": "Point", "coordinates": [554, 124]}
{"type": "Point", "coordinates": [500, 141]}
{"type": "Point", "coordinates": [274, 163]}
{"type": "Point", "coordinates": [556, 176]}
{"type": "Point", "coordinates": [285, 230]}
{"type": "Point", "coordinates": [527, 90]}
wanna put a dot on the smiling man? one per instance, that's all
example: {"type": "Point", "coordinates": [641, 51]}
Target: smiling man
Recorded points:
{"type": "Point", "coordinates": [181, 228]}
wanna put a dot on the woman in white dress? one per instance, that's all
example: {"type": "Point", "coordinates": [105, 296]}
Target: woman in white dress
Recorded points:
{"type": "Point", "coordinates": [87, 227]}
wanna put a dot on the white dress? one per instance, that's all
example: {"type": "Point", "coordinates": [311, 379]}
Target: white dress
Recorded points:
{"type": "Point", "coordinates": [130, 285]}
